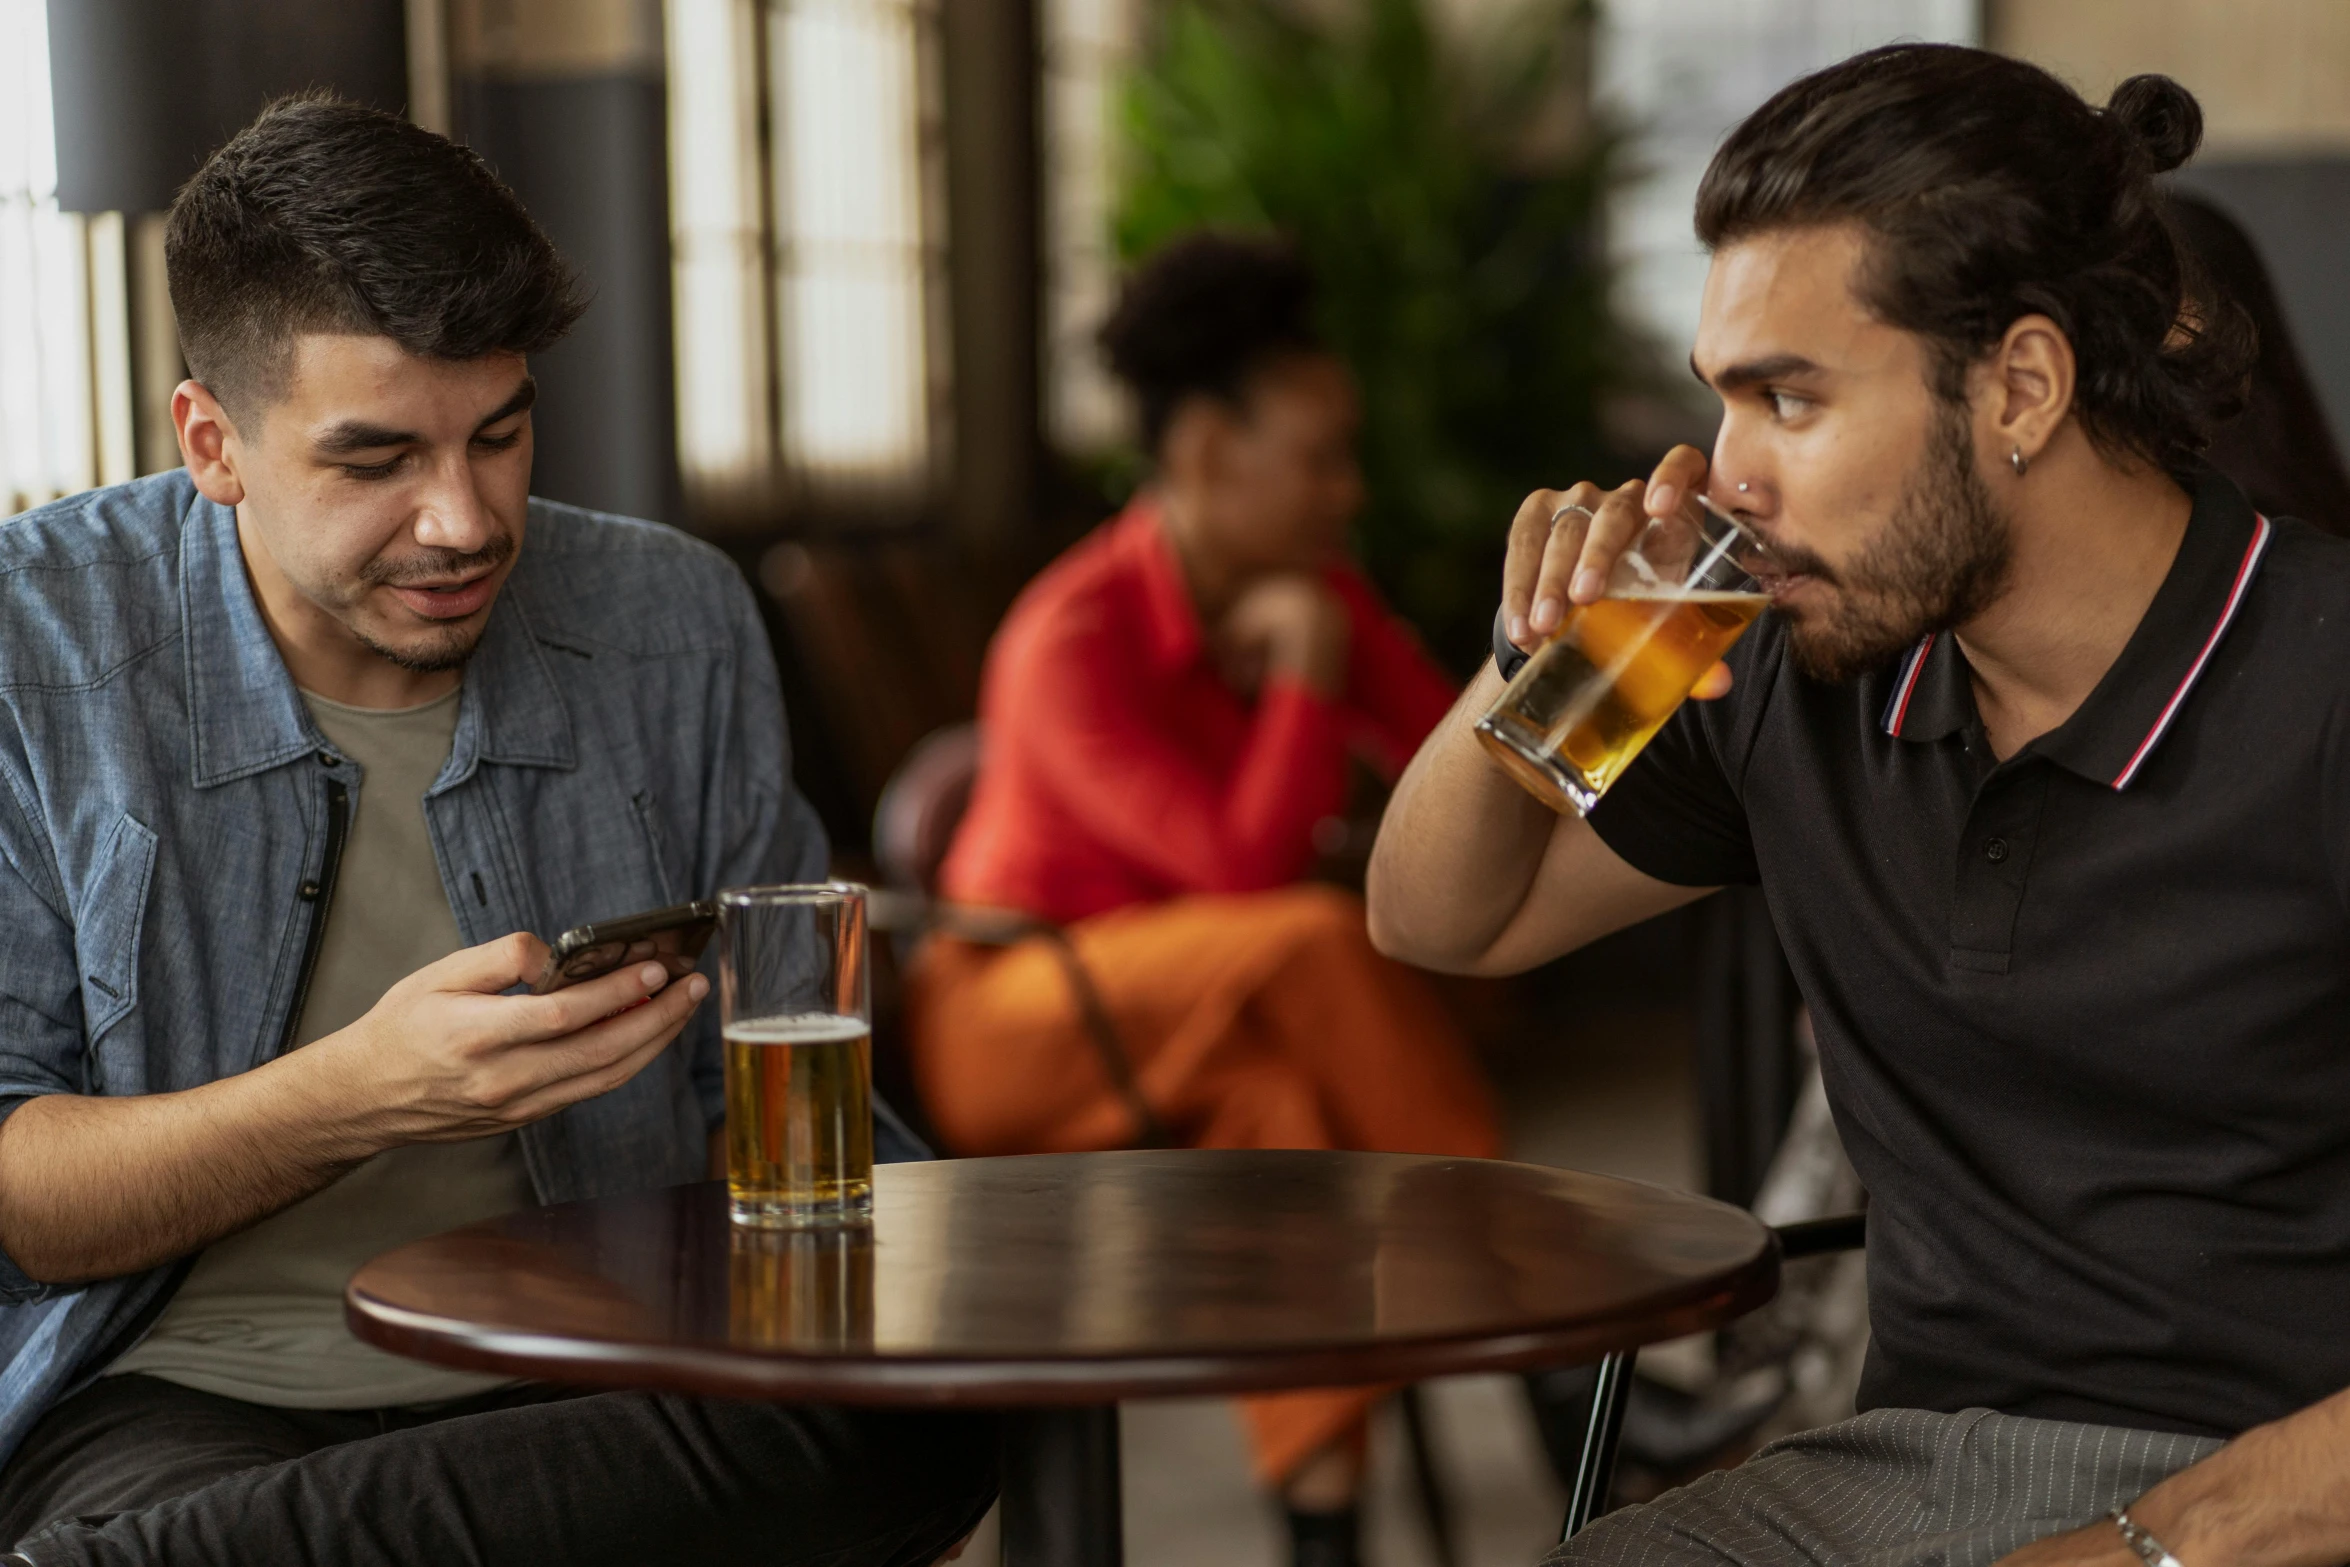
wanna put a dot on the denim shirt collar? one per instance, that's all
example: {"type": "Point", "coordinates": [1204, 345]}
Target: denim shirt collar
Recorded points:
{"type": "Point", "coordinates": [246, 715]}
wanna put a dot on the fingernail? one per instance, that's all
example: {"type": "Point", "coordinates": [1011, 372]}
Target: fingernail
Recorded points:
{"type": "Point", "coordinates": [1663, 498]}
{"type": "Point", "coordinates": [1547, 611]}
{"type": "Point", "coordinates": [651, 976]}
{"type": "Point", "coordinates": [1588, 585]}
{"type": "Point", "coordinates": [697, 987]}
{"type": "Point", "coordinates": [1518, 631]}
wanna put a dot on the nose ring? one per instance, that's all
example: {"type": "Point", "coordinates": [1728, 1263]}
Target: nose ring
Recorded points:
{"type": "Point", "coordinates": [1743, 486]}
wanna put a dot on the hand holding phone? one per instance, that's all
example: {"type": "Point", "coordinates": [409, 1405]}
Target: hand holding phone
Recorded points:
{"type": "Point", "coordinates": [673, 938]}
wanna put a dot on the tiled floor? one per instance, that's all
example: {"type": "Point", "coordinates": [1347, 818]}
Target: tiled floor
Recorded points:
{"type": "Point", "coordinates": [1615, 1098]}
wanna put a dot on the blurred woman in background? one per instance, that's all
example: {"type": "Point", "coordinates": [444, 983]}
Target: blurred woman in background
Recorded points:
{"type": "Point", "coordinates": [2281, 447]}
{"type": "Point", "coordinates": [1168, 712]}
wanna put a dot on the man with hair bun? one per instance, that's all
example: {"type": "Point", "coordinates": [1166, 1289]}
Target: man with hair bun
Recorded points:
{"type": "Point", "coordinates": [300, 742]}
{"type": "Point", "coordinates": [1169, 711]}
{"type": "Point", "coordinates": [2041, 762]}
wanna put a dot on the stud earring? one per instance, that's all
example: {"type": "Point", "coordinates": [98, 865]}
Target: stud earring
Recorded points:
{"type": "Point", "coordinates": [2018, 461]}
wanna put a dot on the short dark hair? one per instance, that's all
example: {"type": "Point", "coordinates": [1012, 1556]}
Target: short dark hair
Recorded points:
{"type": "Point", "coordinates": [1202, 316]}
{"type": "Point", "coordinates": [1990, 191]}
{"type": "Point", "coordinates": [327, 216]}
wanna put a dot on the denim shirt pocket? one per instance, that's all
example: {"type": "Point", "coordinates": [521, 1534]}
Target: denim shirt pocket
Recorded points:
{"type": "Point", "coordinates": [106, 936]}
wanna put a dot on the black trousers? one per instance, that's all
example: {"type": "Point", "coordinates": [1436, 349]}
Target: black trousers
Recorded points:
{"type": "Point", "coordinates": [138, 1470]}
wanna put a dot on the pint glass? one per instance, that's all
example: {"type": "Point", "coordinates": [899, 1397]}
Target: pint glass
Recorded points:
{"type": "Point", "coordinates": [1572, 719]}
{"type": "Point", "coordinates": [799, 1054]}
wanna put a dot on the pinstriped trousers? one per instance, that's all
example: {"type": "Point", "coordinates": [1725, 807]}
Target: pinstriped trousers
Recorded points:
{"type": "Point", "coordinates": [1892, 1488]}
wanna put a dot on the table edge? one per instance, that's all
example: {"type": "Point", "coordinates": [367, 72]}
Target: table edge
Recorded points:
{"type": "Point", "coordinates": [1062, 1380]}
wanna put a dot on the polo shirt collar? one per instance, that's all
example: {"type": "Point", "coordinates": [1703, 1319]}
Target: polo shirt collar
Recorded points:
{"type": "Point", "coordinates": [245, 715]}
{"type": "Point", "coordinates": [1931, 697]}
{"type": "Point", "coordinates": [1170, 620]}
{"type": "Point", "coordinates": [2126, 716]}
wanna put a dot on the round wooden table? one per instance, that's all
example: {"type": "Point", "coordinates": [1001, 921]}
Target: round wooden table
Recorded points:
{"type": "Point", "coordinates": [1053, 1286]}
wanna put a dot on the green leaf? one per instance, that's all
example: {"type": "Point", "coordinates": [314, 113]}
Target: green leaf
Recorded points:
{"type": "Point", "coordinates": [1461, 277]}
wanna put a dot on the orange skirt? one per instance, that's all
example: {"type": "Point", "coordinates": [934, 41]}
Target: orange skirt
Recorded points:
{"type": "Point", "coordinates": [1264, 1020]}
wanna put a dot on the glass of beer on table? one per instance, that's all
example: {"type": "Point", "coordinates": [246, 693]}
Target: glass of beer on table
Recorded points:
{"type": "Point", "coordinates": [1573, 717]}
{"type": "Point", "coordinates": [797, 1019]}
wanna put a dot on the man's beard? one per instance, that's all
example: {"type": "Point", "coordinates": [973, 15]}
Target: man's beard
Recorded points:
{"type": "Point", "coordinates": [446, 647]}
{"type": "Point", "coordinates": [451, 649]}
{"type": "Point", "coordinates": [1942, 557]}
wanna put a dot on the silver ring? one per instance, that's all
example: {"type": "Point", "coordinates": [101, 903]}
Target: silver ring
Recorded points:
{"type": "Point", "coordinates": [1571, 506]}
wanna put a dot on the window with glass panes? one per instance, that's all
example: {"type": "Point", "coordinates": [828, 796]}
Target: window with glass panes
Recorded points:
{"type": "Point", "coordinates": [65, 397]}
{"type": "Point", "coordinates": [807, 220]}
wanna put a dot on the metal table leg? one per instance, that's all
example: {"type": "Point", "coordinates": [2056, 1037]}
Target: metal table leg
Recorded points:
{"type": "Point", "coordinates": [1061, 1504]}
{"type": "Point", "coordinates": [1595, 1475]}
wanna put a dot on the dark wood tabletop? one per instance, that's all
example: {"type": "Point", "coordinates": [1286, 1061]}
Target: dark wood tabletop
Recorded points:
{"type": "Point", "coordinates": [1081, 1278]}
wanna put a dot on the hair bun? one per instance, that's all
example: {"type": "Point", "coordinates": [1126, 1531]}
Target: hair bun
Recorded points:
{"type": "Point", "coordinates": [2163, 116]}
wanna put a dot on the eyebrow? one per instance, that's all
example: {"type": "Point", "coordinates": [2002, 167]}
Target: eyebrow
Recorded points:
{"type": "Point", "coordinates": [524, 395]}
{"type": "Point", "coordinates": [356, 435]}
{"type": "Point", "coordinates": [1773, 367]}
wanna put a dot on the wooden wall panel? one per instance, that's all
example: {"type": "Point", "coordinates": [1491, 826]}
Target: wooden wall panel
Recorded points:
{"type": "Point", "coordinates": [2273, 75]}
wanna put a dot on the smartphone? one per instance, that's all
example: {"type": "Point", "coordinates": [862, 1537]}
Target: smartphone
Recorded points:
{"type": "Point", "coordinates": [674, 938]}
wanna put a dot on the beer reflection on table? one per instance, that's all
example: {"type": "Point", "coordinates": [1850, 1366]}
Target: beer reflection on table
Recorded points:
{"type": "Point", "coordinates": [800, 1289]}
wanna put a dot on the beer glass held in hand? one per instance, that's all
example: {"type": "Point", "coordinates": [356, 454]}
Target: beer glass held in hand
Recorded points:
{"type": "Point", "coordinates": [799, 1054]}
{"type": "Point", "coordinates": [1571, 720]}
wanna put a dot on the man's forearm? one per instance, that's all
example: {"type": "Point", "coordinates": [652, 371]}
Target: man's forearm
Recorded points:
{"type": "Point", "coordinates": [97, 1187]}
{"type": "Point", "coordinates": [2277, 1496]}
{"type": "Point", "coordinates": [1471, 874]}
{"type": "Point", "coordinates": [92, 1188]}
{"type": "Point", "coordinates": [1458, 847]}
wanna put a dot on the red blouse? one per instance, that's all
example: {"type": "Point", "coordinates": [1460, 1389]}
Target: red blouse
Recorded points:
{"type": "Point", "coordinates": [1119, 767]}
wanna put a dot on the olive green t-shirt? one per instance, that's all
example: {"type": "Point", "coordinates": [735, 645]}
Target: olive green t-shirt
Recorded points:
{"type": "Point", "coordinates": [260, 1316]}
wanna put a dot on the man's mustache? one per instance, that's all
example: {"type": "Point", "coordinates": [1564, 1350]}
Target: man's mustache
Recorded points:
{"type": "Point", "coordinates": [437, 565]}
{"type": "Point", "coordinates": [1790, 560]}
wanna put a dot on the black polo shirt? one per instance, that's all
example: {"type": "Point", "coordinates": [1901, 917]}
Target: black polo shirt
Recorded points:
{"type": "Point", "coordinates": [2084, 1015]}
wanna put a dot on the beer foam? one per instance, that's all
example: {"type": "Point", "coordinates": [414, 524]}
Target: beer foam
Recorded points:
{"type": "Point", "coordinates": [801, 1028]}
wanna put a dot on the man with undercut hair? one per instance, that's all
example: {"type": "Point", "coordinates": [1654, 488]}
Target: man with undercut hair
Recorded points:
{"type": "Point", "coordinates": [299, 743]}
{"type": "Point", "coordinates": [2042, 762]}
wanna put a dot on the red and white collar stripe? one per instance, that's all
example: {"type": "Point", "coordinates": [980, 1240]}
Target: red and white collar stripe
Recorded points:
{"type": "Point", "coordinates": [1913, 663]}
{"type": "Point", "coordinates": [1898, 708]}
{"type": "Point", "coordinates": [2243, 583]}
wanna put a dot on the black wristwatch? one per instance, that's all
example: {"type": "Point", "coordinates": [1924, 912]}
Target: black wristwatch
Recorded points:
{"type": "Point", "coordinates": [1508, 657]}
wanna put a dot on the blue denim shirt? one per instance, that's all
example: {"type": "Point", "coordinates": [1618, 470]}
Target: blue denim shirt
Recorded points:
{"type": "Point", "coordinates": [169, 808]}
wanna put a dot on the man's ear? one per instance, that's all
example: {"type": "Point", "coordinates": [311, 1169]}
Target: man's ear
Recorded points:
{"type": "Point", "coordinates": [2031, 379]}
{"type": "Point", "coordinates": [208, 442]}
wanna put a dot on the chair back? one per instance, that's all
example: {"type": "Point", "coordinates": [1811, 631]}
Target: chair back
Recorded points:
{"type": "Point", "coordinates": [921, 806]}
